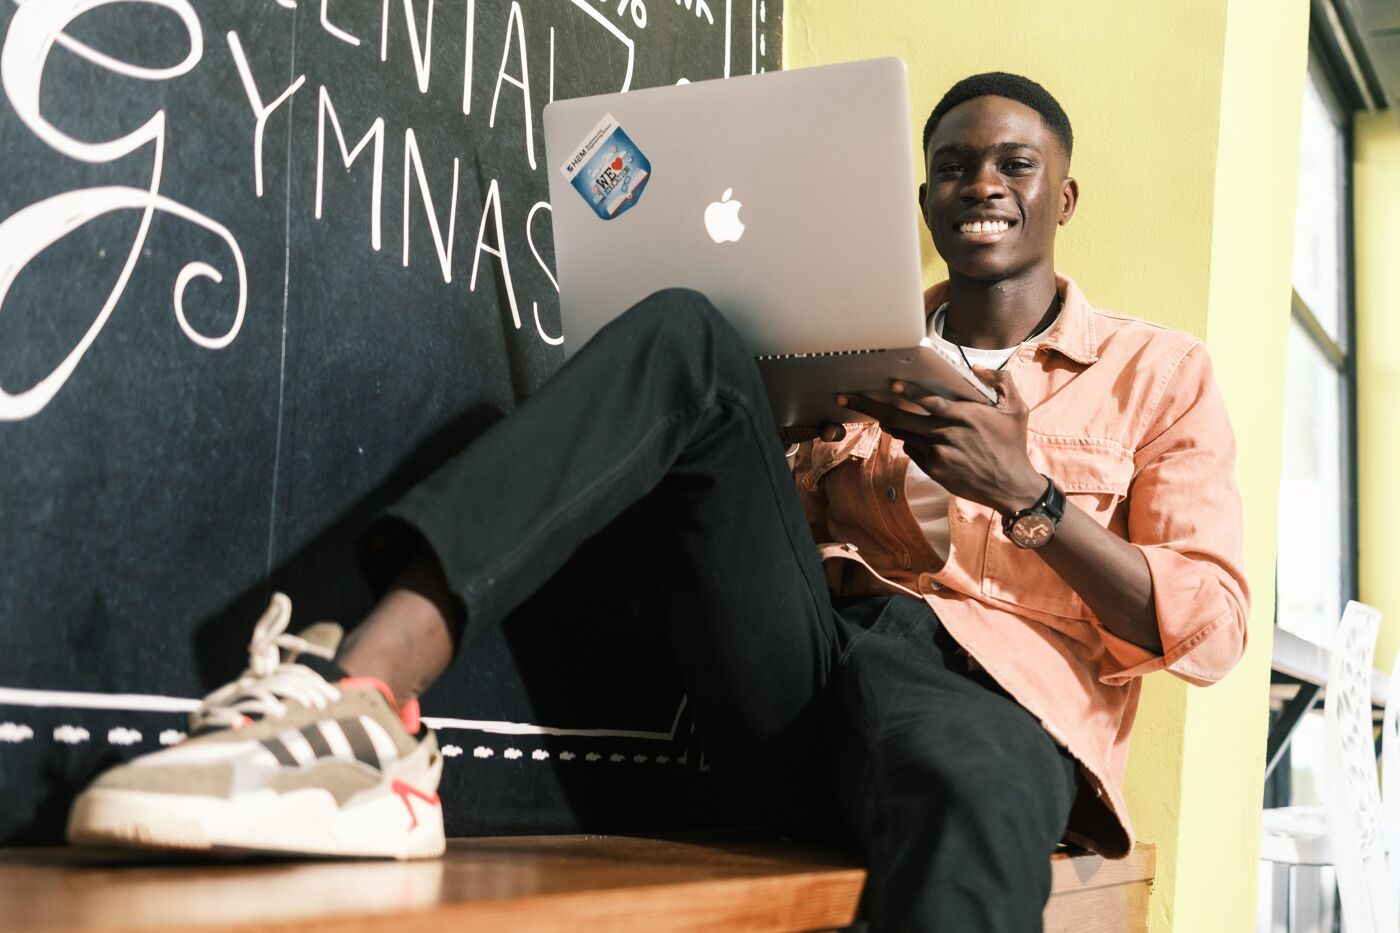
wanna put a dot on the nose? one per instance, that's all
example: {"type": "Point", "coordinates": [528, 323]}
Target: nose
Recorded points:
{"type": "Point", "coordinates": [982, 184]}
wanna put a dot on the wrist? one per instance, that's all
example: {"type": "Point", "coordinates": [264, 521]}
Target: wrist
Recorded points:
{"type": "Point", "coordinates": [1021, 494]}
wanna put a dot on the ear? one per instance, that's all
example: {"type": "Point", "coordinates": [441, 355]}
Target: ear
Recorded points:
{"type": "Point", "coordinates": [1069, 198]}
{"type": "Point", "coordinates": [923, 199]}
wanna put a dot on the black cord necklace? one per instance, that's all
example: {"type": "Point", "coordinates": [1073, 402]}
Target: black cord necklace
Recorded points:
{"type": "Point", "coordinates": [969, 362]}
{"type": "Point", "coordinates": [1035, 330]}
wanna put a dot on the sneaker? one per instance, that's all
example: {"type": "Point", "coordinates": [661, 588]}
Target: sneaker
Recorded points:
{"type": "Point", "coordinates": [291, 758]}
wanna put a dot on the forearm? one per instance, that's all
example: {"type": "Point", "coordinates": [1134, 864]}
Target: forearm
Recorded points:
{"type": "Point", "coordinates": [1109, 574]}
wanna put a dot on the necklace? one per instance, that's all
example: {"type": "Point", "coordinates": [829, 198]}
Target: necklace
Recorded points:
{"type": "Point", "coordinates": [1035, 330]}
{"type": "Point", "coordinates": [969, 362]}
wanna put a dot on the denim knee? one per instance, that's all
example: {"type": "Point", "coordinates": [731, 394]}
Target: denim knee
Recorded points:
{"type": "Point", "coordinates": [684, 319]}
{"type": "Point", "coordinates": [681, 328]}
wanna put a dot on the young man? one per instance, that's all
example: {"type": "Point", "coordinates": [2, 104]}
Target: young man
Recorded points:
{"type": "Point", "coordinates": [930, 642]}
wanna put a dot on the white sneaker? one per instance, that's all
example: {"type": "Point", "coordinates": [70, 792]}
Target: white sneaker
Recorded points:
{"type": "Point", "coordinates": [290, 758]}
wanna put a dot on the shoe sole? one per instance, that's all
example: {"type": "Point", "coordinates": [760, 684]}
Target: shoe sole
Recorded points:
{"type": "Point", "coordinates": [301, 822]}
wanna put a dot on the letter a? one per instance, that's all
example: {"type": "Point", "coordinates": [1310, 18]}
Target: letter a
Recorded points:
{"type": "Point", "coordinates": [516, 23]}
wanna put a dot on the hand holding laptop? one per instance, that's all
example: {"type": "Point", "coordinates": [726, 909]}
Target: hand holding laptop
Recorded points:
{"type": "Point", "coordinates": [905, 400]}
{"type": "Point", "coordinates": [974, 450]}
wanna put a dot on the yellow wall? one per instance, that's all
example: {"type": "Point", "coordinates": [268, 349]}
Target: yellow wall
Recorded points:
{"type": "Point", "coordinates": [1247, 333]}
{"type": "Point", "coordinates": [1186, 121]}
{"type": "Point", "coordinates": [1377, 205]}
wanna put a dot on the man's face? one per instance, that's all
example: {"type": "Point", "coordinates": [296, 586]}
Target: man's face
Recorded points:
{"type": "Point", "coordinates": [997, 189]}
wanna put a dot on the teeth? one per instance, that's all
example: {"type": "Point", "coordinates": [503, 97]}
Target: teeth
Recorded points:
{"type": "Point", "coordinates": [985, 226]}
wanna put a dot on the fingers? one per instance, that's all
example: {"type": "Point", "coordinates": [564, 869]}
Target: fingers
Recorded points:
{"type": "Point", "coordinates": [889, 416]}
{"type": "Point", "coordinates": [950, 410]}
{"type": "Point", "coordinates": [831, 433]}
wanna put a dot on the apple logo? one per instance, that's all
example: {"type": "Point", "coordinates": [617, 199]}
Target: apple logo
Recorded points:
{"type": "Point", "coordinates": [722, 219]}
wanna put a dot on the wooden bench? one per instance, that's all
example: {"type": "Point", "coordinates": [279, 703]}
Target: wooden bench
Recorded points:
{"type": "Point", "coordinates": [571, 884]}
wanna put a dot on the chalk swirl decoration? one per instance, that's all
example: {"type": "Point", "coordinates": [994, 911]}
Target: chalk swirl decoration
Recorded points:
{"type": "Point", "coordinates": [37, 26]}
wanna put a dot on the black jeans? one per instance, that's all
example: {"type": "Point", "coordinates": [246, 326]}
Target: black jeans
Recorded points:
{"type": "Point", "coordinates": [857, 718]}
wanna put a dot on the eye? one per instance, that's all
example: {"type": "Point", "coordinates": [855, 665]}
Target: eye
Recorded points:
{"type": "Point", "coordinates": [948, 167]}
{"type": "Point", "coordinates": [1019, 166]}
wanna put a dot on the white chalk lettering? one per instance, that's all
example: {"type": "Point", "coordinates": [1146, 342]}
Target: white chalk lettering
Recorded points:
{"type": "Point", "coordinates": [621, 36]}
{"type": "Point", "coordinates": [516, 24]}
{"type": "Point", "coordinates": [491, 211]}
{"type": "Point", "coordinates": [701, 9]}
{"type": "Point", "coordinates": [411, 156]}
{"type": "Point", "coordinates": [639, 11]}
{"type": "Point", "coordinates": [131, 69]}
{"type": "Point", "coordinates": [753, 46]}
{"type": "Point", "coordinates": [422, 55]}
{"type": "Point", "coordinates": [348, 157]}
{"type": "Point", "coordinates": [530, 238]}
{"type": "Point", "coordinates": [333, 29]}
{"type": "Point", "coordinates": [34, 30]}
{"type": "Point", "coordinates": [467, 57]}
{"type": "Point", "coordinates": [261, 111]}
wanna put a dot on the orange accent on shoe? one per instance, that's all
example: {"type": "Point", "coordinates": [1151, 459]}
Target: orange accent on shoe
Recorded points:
{"type": "Point", "coordinates": [409, 712]}
{"type": "Point", "coordinates": [405, 790]}
{"type": "Point", "coordinates": [411, 716]}
{"type": "Point", "coordinates": [375, 683]}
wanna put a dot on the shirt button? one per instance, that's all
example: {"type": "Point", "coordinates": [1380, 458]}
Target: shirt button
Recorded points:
{"type": "Point", "coordinates": [849, 547]}
{"type": "Point", "coordinates": [891, 493]}
{"type": "Point", "coordinates": [928, 584]}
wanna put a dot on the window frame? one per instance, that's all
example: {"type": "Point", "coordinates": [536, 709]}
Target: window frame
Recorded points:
{"type": "Point", "coordinates": [1339, 353]}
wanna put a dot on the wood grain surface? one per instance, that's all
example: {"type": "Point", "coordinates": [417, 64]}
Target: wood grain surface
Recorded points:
{"type": "Point", "coordinates": [730, 882]}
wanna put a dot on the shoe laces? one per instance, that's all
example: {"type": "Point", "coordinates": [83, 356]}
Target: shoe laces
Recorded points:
{"type": "Point", "coordinates": [273, 678]}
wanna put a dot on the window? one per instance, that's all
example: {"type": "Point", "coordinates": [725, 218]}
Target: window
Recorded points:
{"type": "Point", "coordinates": [1316, 546]}
{"type": "Point", "coordinates": [1316, 515]}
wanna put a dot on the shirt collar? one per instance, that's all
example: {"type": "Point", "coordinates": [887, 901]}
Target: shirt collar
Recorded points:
{"type": "Point", "coordinates": [1072, 334]}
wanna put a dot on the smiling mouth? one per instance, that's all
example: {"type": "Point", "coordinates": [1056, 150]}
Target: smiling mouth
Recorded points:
{"type": "Point", "coordinates": [984, 227]}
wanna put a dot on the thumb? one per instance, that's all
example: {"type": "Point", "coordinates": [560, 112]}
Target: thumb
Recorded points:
{"type": "Point", "coordinates": [1008, 396]}
{"type": "Point", "coordinates": [798, 433]}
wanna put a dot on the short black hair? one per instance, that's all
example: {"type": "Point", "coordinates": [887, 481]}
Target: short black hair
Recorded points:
{"type": "Point", "coordinates": [1015, 87]}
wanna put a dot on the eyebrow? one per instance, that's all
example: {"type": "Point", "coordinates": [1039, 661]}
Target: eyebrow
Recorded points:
{"type": "Point", "coordinates": [1000, 149]}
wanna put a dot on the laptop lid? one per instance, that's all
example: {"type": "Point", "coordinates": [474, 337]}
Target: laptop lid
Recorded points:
{"type": "Point", "coordinates": [789, 198]}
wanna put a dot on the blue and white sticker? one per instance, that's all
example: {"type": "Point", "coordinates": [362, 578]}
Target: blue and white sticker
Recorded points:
{"type": "Point", "coordinates": [608, 170]}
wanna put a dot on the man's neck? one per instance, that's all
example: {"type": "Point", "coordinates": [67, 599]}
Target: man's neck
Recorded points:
{"type": "Point", "coordinates": [996, 315]}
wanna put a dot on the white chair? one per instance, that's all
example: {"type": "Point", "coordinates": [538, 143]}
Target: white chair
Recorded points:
{"type": "Point", "coordinates": [1347, 832]}
{"type": "Point", "coordinates": [1390, 776]}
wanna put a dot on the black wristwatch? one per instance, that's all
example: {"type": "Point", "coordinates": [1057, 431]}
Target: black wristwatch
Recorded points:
{"type": "Point", "coordinates": [1035, 525]}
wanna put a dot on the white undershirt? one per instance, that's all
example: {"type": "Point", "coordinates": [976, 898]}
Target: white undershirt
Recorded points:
{"type": "Point", "coordinates": [928, 500]}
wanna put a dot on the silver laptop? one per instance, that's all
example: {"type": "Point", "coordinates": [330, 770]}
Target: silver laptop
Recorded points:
{"type": "Point", "coordinates": [788, 198]}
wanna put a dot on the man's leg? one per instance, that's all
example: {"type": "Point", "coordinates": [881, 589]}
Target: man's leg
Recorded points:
{"type": "Point", "coordinates": [662, 410]}
{"type": "Point", "coordinates": [957, 794]}
{"type": "Point", "coordinates": [662, 413]}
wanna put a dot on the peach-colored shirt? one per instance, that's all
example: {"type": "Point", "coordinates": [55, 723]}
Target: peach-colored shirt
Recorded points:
{"type": "Point", "coordinates": [1128, 421]}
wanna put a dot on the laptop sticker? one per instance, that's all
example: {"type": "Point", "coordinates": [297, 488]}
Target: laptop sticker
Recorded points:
{"type": "Point", "coordinates": [608, 170]}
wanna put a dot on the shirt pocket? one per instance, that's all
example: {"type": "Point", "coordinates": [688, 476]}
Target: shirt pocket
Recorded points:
{"type": "Point", "coordinates": [1094, 474]}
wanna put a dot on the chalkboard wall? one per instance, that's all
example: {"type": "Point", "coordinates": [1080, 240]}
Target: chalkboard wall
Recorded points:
{"type": "Point", "coordinates": [264, 263]}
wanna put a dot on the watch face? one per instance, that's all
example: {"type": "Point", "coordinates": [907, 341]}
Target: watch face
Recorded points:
{"type": "Point", "coordinates": [1032, 530]}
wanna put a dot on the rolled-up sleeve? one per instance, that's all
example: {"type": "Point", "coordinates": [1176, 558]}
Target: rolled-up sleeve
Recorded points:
{"type": "Point", "coordinates": [1185, 516]}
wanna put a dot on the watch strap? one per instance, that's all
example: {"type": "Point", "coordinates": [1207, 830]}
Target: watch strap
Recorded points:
{"type": "Point", "coordinates": [1051, 504]}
